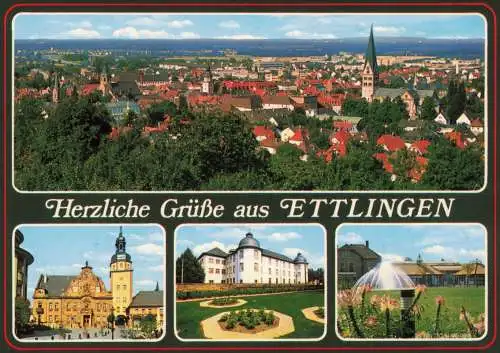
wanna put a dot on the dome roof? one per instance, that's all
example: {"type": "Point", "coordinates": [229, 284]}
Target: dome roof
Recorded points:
{"type": "Point", "coordinates": [249, 242]}
{"type": "Point", "coordinates": [300, 259]}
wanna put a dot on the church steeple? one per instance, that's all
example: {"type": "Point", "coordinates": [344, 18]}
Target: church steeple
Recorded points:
{"type": "Point", "coordinates": [120, 248]}
{"type": "Point", "coordinates": [371, 56]}
{"type": "Point", "coordinates": [369, 76]}
{"type": "Point", "coordinates": [55, 89]}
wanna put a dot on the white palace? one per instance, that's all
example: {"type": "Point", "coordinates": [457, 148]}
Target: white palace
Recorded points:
{"type": "Point", "coordinates": [249, 263]}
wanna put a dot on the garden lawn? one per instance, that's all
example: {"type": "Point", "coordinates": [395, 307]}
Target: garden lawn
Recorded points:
{"type": "Point", "coordinates": [190, 314]}
{"type": "Point", "coordinates": [472, 298]}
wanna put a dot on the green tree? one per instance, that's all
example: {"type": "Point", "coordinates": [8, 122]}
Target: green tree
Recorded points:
{"type": "Point", "coordinates": [451, 168]}
{"type": "Point", "coordinates": [157, 111]}
{"type": "Point", "coordinates": [188, 269]}
{"type": "Point", "coordinates": [355, 107]}
{"type": "Point", "coordinates": [428, 110]}
{"type": "Point", "coordinates": [22, 313]}
{"type": "Point", "coordinates": [147, 325]}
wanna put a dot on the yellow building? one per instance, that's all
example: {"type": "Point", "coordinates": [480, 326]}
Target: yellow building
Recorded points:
{"type": "Point", "coordinates": [147, 303]}
{"type": "Point", "coordinates": [22, 259]}
{"type": "Point", "coordinates": [121, 276]}
{"type": "Point", "coordinates": [82, 301]}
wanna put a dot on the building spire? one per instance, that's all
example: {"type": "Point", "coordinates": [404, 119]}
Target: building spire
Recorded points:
{"type": "Point", "coordinates": [157, 289]}
{"type": "Point", "coordinates": [371, 57]}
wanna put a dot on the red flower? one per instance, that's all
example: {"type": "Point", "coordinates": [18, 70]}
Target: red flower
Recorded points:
{"type": "Point", "coordinates": [440, 300]}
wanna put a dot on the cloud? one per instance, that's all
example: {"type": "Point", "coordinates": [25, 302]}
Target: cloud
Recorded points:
{"type": "Point", "coordinates": [392, 257]}
{"type": "Point", "coordinates": [314, 260]}
{"type": "Point", "coordinates": [133, 33]}
{"type": "Point", "coordinates": [242, 37]}
{"type": "Point", "coordinates": [325, 20]}
{"type": "Point", "coordinates": [229, 24]}
{"type": "Point", "coordinates": [149, 249]}
{"type": "Point", "coordinates": [145, 282]}
{"type": "Point", "coordinates": [179, 23]}
{"type": "Point", "coordinates": [188, 35]}
{"type": "Point", "coordinates": [349, 238]}
{"type": "Point", "coordinates": [145, 21]}
{"type": "Point", "coordinates": [83, 33]}
{"type": "Point", "coordinates": [284, 236]}
{"type": "Point", "coordinates": [198, 249]}
{"type": "Point", "coordinates": [81, 24]}
{"type": "Point", "coordinates": [156, 236]}
{"type": "Point", "coordinates": [454, 254]}
{"type": "Point", "coordinates": [389, 30]}
{"type": "Point", "coordinates": [59, 269]}
{"type": "Point", "coordinates": [300, 35]}
{"type": "Point", "coordinates": [96, 257]}
{"type": "Point", "coordinates": [157, 268]}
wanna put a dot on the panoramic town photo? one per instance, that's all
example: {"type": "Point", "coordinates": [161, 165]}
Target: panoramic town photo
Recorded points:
{"type": "Point", "coordinates": [414, 281]}
{"type": "Point", "coordinates": [250, 282]}
{"type": "Point", "coordinates": [108, 283]}
{"type": "Point", "coordinates": [173, 101]}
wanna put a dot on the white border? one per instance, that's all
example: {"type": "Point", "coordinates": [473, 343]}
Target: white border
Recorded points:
{"type": "Point", "coordinates": [90, 340]}
{"type": "Point", "coordinates": [235, 225]}
{"type": "Point", "coordinates": [486, 309]}
{"type": "Point", "coordinates": [485, 179]}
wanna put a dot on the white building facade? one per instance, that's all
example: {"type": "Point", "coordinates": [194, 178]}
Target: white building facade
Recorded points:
{"type": "Point", "coordinates": [249, 263]}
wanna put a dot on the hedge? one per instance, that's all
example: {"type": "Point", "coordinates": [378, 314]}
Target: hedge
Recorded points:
{"type": "Point", "coordinates": [245, 291]}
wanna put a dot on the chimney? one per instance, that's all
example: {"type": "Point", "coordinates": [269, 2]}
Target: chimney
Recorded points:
{"type": "Point", "coordinates": [367, 244]}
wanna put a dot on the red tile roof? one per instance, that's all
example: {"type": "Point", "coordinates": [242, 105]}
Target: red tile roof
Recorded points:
{"type": "Point", "coordinates": [392, 143]}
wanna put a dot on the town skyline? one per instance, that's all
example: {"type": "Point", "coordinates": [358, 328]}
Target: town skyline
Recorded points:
{"type": "Point", "coordinates": [246, 26]}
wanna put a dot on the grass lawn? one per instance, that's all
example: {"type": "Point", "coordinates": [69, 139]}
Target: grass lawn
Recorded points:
{"type": "Point", "coordinates": [190, 314]}
{"type": "Point", "coordinates": [472, 298]}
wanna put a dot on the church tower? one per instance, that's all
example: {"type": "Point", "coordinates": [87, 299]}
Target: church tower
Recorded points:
{"type": "Point", "coordinates": [370, 70]}
{"type": "Point", "coordinates": [207, 86]}
{"type": "Point", "coordinates": [103, 82]}
{"type": "Point", "coordinates": [55, 89]}
{"type": "Point", "coordinates": [121, 276]}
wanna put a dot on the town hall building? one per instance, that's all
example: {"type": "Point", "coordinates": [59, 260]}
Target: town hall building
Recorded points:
{"type": "Point", "coordinates": [250, 263]}
{"type": "Point", "coordinates": [83, 301]}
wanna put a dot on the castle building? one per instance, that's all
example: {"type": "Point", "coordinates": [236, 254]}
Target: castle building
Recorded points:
{"type": "Point", "coordinates": [369, 76]}
{"type": "Point", "coordinates": [82, 301]}
{"type": "Point", "coordinates": [250, 263]}
{"type": "Point", "coordinates": [22, 259]}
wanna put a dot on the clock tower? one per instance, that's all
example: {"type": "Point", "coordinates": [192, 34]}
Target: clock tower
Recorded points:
{"type": "Point", "coordinates": [121, 276]}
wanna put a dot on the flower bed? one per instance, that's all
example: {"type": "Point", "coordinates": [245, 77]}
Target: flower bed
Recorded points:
{"type": "Point", "coordinates": [223, 301]}
{"type": "Point", "coordinates": [248, 321]}
{"type": "Point", "coordinates": [320, 312]}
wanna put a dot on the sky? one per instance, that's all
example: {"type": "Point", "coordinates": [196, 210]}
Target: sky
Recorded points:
{"type": "Point", "coordinates": [244, 26]}
{"type": "Point", "coordinates": [458, 242]}
{"type": "Point", "coordinates": [63, 250]}
{"type": "Point", "coordinates": [284, 239]}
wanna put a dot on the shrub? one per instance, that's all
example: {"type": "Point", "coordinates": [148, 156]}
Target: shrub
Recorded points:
{"type": "Point", "coordinates": [248, 318]}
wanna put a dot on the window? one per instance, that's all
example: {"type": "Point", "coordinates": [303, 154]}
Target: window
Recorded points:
{"type": "Point", "coordinates": [210, 270]}
{"type": "Point", "coordinates": [68, 308]}
{"type": "Point", "coordinates": [217, 261]}
{"type": "Point", "coordinates": [124, 287]}
{"type": "Point", "coordinates": [256, 267]}
{"type": "Point", "coordinates": [50, 318]}
{"type": "Point", "coordinates": [256, 254]}
{"type": "Point", "coordinates": [241, 254]}
{"type": "Point", "coordinates": [223, 271]}
{"type": "Point", "coordinates": [217, 270]}
{"type": "Point", "coordinates": [277, 272]}
{"type": "Point", "coordinates": [56, 306]}
{"type": "Point", "coordinates": [241, 267]}
{"type": "Point", "coordinates": [117, 287]}
{"type": "Point", "coordinates": [269, 270]}
{"type": "Point", "coordinates": [124, 300]}
{"type": "Point", "coordinates": [50, 307]}
{"type": "Point", "coordinates": [210, 260]}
